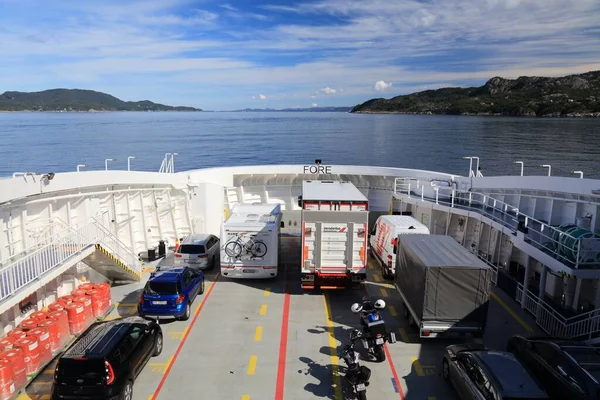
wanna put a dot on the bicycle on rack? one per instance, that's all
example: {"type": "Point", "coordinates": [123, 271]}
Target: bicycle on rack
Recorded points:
{"type": "Point", "coordinates": [256, 248]}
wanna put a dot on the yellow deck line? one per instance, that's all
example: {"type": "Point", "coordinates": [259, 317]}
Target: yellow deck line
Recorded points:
{"type": "Point", "coordinates": [377, 278]}
{"type": "Point", "coordinates": [393, 311]}
{"type": "Point", "coordinates": [384, 292]}
{"type": "Point", "coordinates": [418, 368]}
{"type": "Point", "coordinates": [252, 365]}
{"type": "Point", "coordinates": [267, 292]}
{"type": "Point", "coordinates": [258, 333]}
{"type": "Point", "coordinates": [512, 313]}
{"type": "Point", "coordinates": [403, 335]}
{"type": "Point", "coordinates": [245, 397]}
{"type": "Point", "coordinates": [263, 309]}
{"type": "Point", "coordinates": [335, 364]}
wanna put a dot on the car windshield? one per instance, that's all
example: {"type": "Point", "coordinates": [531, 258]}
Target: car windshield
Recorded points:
{"type": "Point", "coordinates": [89, 368]}
{"type": "Point", "coordinates": [162, 288]}
{"type": "Point", "coordinates": [191, 249]}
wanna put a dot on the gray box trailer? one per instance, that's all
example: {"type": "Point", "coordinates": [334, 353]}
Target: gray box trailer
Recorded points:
{"type": "Point", "coordinates": [445, 288]}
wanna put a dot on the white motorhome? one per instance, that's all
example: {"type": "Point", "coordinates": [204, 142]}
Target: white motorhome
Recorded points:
{"type": "Point", "coordinates": [250, 241]}
{"type": "Point", "coordinates": [384, 236]}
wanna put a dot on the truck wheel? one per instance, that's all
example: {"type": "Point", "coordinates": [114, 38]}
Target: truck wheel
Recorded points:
{"type": "Point", "coordinates": [362, 395]}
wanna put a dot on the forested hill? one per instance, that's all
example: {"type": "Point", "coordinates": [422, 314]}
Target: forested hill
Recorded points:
{"type": "Point", "coordinates": [569, 96]}
{"type": "Point", "coordinates": [77, 100]}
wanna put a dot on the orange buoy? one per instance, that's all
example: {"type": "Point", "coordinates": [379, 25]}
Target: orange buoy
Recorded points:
{"type": "Point", "coordinates": [7, 343]}
{"type": "Point", "coordinates": [17, 334]}
{"type": "Point", "coordinates": [7, 384]}
{"type": "Point", "coordinates": [62, 320]}
{"type": "Point", "coordinates": [39, 315]}
{"type": "Point", "coordinates": [76, 314]}
{"type": "Point", "coordinates": [17, 361]}
{"type": "Point", "coordinates": [44, 346]}
{"type": "Point", "coordinates": [56, 306]}
{"type": "Point", "coordinates": [28, 324]}
{"type": "Point", "coordinates": [29, 346]}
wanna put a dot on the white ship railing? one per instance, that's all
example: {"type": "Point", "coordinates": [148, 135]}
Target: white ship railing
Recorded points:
{"type": "Point", "coordinates": [553, 323]}
{"type": "Point", "coordinates": [62, 248]}
{"type": "Point", "coordinates": [582, 252]}
{"type": "Point", "coordinates": [41, 234]}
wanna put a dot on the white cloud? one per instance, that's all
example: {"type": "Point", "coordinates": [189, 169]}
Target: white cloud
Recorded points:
{"type": "Point", "coordinates": [381, 86]}
{"type": "Point", "coordinates": [314, 105]}
{"type": "Point", "coordinates": [326, 91]}
{"type": "Point", "coordinates": [262, 96]}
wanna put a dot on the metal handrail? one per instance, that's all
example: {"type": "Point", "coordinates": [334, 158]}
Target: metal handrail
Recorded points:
{"type": "Point", "coordinates": [40, 243]}
{"type": "Point", "coordinates": [38, 263]}
{"type": "Point", "coordinates": [542, 235]}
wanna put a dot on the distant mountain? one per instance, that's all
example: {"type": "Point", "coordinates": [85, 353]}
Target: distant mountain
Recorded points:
{"type": "Point", "coordinates": [569, 96]}
{"type": "Point", "coordinates": [77, 100]}
{"type": "Point", "coordinates": [311, 109]}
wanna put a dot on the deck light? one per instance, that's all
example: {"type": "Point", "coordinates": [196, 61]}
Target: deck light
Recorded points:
{"type": "Point", "coordinates": [106, 163]}
{"type": "Point", "coordinates": [129, 162]}
{"type": "Point", "coordinates": [520, 162]}
{"type": "Point", "coordinates": [547, 166]}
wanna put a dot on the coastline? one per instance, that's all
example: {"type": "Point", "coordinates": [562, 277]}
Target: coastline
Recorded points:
{"type": "Point", "coordinates": [553, 115]}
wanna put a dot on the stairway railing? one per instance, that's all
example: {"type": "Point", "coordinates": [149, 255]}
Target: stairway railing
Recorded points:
{"type": "Point", "coordinates": [63, 247]}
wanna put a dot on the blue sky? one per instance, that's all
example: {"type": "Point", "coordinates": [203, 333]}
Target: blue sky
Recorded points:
{"type": "Point", "coordinates": [223, 55]}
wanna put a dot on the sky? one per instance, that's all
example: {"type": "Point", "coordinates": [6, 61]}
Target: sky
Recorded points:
{"type": "Point", "coordinates": [233, 54]}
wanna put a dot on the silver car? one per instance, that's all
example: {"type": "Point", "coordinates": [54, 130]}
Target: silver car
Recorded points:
{"type": "Point", "coordinates": [478, 373]}
{"type": "Point", "coordinates": [199, 251]}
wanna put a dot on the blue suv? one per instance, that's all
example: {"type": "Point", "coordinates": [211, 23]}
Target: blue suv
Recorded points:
{"type": "Point", "coordinates": [170, 293]}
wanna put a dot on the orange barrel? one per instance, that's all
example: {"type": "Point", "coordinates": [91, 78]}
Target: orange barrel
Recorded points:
{"type": "Point", "coordinates": [86, 286]}
{"type": "Point", "coordinates": [43, 337]}
{"type": "Point", "coordinates": [7, 385]}
{"type": "Point", "coordinates": [62, 319]}
{"type": "Point", "coordinates": [56, 306]}
{"type": "Point", "coordinates": [31, 350]}
{"type": "Point", "coordinates": [104, 288]}
{"type": "Point", "coordinates": [99, 303]}
{"type": "Point", "coordinates": [65, 299]}
{"type": "Point", "coordinates": [17, 361]}
{"type": "Point", "coordinates": [28, 324]}
{"type": "Point", "coordinates": [87, 308]}
{"type": "Point", "coordinates": [76, 293]}
{"type": "Point", "coordinates": [53, 328]}
{"type": "Point", "coordinates": [17, 334]}
{"type": "Point", "coordinates": [76, 314]}
{"type": "Point", "coordinates": [7, 343]}
{"type": "Point", "coordinates": [39, 315]}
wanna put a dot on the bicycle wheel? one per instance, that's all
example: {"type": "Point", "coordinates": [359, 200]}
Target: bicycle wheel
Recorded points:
{"type": "Point", "coordinates": [233, 249]}
{"type": "Point", "coordinates": [259, 249]}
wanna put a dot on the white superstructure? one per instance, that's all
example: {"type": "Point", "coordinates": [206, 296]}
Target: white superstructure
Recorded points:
{"type": "Point", "coordinates": [51, 223]}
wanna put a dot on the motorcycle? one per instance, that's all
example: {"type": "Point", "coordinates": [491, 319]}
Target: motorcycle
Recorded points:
{"type": "Point", "coordinates": [357, 375]}
{"type": "Point", "coordinates": [374, 331]}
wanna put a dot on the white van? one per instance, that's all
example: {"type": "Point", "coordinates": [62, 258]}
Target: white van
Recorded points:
{"type": "Point", "coordinates": [384, 236]}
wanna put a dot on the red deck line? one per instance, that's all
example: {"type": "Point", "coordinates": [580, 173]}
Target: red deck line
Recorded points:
{"type": "Point", "coordinates": [279, 387]}
{"type": "Point", "coordinates": [183, 339]}
{"type": "Point", "coordinates": [394, 373]}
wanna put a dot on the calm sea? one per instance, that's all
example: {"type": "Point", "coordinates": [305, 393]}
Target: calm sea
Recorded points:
{"type": "Point", "coordinates": [57, 142]}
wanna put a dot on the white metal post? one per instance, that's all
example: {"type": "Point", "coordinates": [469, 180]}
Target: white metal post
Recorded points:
{"type": "Point", "coordinates": [106, 163]}
{"type": "Point", "coordinates": [520, 162]}
{"type": "Point", "coordinates": [547, 166]}
{"type": "Point", "coordinates": [578, 172]}
{"type": "Point", "coordinates": [129, 162]}
{"type": "Point", "coordinates": [81, 166]}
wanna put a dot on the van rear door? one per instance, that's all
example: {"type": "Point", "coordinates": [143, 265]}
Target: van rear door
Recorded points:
{"type": "Point", "coordinates": [334, 247]}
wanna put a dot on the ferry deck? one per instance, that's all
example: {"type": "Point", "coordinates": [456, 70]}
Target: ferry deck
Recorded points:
{"type": "Point", "coordinates": [259, 340]}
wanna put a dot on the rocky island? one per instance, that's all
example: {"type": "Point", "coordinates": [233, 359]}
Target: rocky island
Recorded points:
{"type": "Point", "coordinates": [569, 96]}
{"type": "Point", "coordinates": [65, 100]}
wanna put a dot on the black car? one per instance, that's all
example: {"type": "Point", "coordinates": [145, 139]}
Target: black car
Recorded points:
{"type": "Point", "coordinates": [478, 373]}
{"type": "Point", "coordinates": [106, 359]}
{"type": "Point", "coordinates": [566, 368]}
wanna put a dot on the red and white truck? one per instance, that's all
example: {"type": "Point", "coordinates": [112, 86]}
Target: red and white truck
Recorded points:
{"type": "Point", "coordinates": [335, 217]}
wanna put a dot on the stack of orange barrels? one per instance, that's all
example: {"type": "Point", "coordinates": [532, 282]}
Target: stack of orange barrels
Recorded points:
{"type": "Point", "coordinates": [29, 347]}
